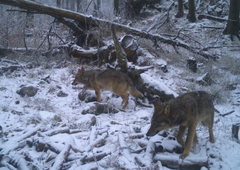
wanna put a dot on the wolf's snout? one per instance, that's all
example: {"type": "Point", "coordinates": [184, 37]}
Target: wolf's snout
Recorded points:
{"type": "Point", "coordinates": [151, 132]}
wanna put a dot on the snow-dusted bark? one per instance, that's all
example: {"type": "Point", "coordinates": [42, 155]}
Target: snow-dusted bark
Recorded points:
{"type": "Point", "coordinates": [61, 157]}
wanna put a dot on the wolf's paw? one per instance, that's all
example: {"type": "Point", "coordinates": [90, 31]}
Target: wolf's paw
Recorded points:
{"type": "Point", "coordinates": [212, 140]}
{"type": "Point", "coordinates": [183, 155]}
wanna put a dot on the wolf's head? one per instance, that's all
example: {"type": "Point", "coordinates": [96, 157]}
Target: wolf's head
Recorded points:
{"type": "Point", "coordinates": [160, 120]}
{"type": "Point", "coordinates": [79, 77]}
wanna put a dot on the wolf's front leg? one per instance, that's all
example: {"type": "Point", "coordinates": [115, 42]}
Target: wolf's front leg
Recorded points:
{"type": "Point", "coordinates": [181, 131]}
{"type": "Point", "coordinates": [98, 94]}
{"type": "Point", "coordinates": [190, 136]}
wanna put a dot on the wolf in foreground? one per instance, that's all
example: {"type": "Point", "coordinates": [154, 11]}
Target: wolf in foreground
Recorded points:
{"type": "Point", "coordinates": [186, 111]}
{"type": "Point", "coordinates": [110, 80]}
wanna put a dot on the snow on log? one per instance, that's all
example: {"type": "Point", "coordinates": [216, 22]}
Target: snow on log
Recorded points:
{"type": "Point", "coordinates": [173, 161]}
{"type": "Point", "coordinates": [147, 158]}
{"type": "Point", "coordinates": [21, 164]}
{"type": "Point", "coordinates": [150, 151]}
{"type": "Point", "coordinates": [79, 51]}
{"type": "Point", "coordinates": [57, 131]}
{"type": "Point", "coordinates": [94, 157]}
{"type": "Point", "coordinates": [11, 162]}
{"type": "Point", "coordinates": [127, 158]}
{"type": "Point", "coordinates": [92, 135]}
{"type": "Point", "coordinates": [29, 133]}
{"type": "Point", "coordinates": [61, 157]}
{"type": "Point", "coordinates": [97, 141]}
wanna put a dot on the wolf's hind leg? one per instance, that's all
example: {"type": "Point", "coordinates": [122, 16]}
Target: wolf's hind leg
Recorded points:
{"type": "Point", "coordinates": [125, 105]}
{"type": "Point", "coordinates": [209, 123]}
{"type": "Point", "coordinates": [98, 94]}
{"type": "Point", "coordinates": [211, 137]}
{"type": "Point", "coordinates": [124, 96]}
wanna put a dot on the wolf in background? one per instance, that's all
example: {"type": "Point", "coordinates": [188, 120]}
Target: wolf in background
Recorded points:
{"type": "Point", "coordinates": [186, 111]}
{"type": "Point", "coordinates": [110, 80]}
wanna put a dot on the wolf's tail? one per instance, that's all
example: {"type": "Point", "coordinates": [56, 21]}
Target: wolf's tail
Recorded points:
{"type": "Point", "coordinates": [134, 92]}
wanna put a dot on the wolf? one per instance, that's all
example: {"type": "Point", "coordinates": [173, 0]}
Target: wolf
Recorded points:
{"type": "Point", "coordinates": [110, 80]}
{"type": "Point", "coordinates": [186, 111]}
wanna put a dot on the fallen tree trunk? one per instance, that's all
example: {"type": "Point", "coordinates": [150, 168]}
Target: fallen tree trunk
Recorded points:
{"type": "Point", "coordinates": [86, 19]}
{"type": "Point", "coordinates": [189, 163]}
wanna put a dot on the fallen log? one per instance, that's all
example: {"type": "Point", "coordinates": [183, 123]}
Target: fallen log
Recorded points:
{"type": "Point", "coordinates": [125, 153]}
{"type": "Point", "coordinates": [61, 157]}
{"type": "Point", "coordinates": [12, 162]}
{"type": "Point", "coordinates": [57, 131]}
{"type": "Point", "coordinates": [173, 161]}
{"type": "Point", "coordinates": [210, 17]}
{"type": "Point", "coordinates": [147, 159]}
{"type": "Point", "coordinates": [95, 157]}
{"type": "Point", "coordinates": [96, 142]}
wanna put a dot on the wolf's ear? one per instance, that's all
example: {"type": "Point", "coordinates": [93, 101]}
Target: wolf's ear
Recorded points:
{"type": "Point", "coordinates": [157, 106]}
{"type": "Point", "coordinates": [82, 69]}
{"type": "Point", "coordinates": [167, 110]}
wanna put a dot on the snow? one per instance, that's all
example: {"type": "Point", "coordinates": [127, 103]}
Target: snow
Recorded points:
{"type": "Point", "coordinates": [34, 119]}
{"type": "Point", "coordinates": [157, 84]}
{"type": "Point", "coordinates": [41, 118]}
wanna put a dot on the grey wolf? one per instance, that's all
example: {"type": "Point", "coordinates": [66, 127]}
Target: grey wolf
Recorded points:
{"type": "Point", "coordinates": [187, 111]}
{"type": "Point", "coordinates": [110, 80]}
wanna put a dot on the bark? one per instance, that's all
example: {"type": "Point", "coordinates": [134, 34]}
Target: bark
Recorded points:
{"type": "Point", "coordinates": [85, 19]}
{"type": "Point", "coordinates": [191, 12]}
{"type": "Point", "coordinates": [233, 19]}
{"type": "Point", "coordinates": [180, 9]}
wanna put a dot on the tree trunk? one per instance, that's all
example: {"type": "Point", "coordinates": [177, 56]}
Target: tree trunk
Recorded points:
{"type": "Point", "coordinates": [191, 12]}
{"type": "Point", "coordinates": [180, 9]}
{"type": "Point", "coordinates": [233, 19]}
{"type": "Point", "coordinates": [116, 7]}
{"type": "Point", "coordinates": [135, 6]}
{"type": "Point", "coordinates": [59, 3]}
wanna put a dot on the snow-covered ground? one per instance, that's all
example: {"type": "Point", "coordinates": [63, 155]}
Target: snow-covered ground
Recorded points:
{"type": "Point", "coordinates": [119, 139]}
{"type": "Point", "coordinates": [47, 132]}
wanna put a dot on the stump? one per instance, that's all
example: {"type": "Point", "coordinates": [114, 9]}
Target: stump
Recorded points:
{"type": "Point", "coordinates": [192, 64]}
{"type": "Point", "coordinates": [130, 46]}
{"type": "Point", "coordinates": [235, 131]}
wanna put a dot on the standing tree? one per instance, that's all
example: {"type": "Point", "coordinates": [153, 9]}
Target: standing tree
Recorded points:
{"type": "Point", "coordinates": [233, 19]}
{"type": "Point", "coordinates": [180, 9]}
{"type": "Point", "coordinates": [191, 13]}
{"type": "Point", "coordinates": [116, 6]}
